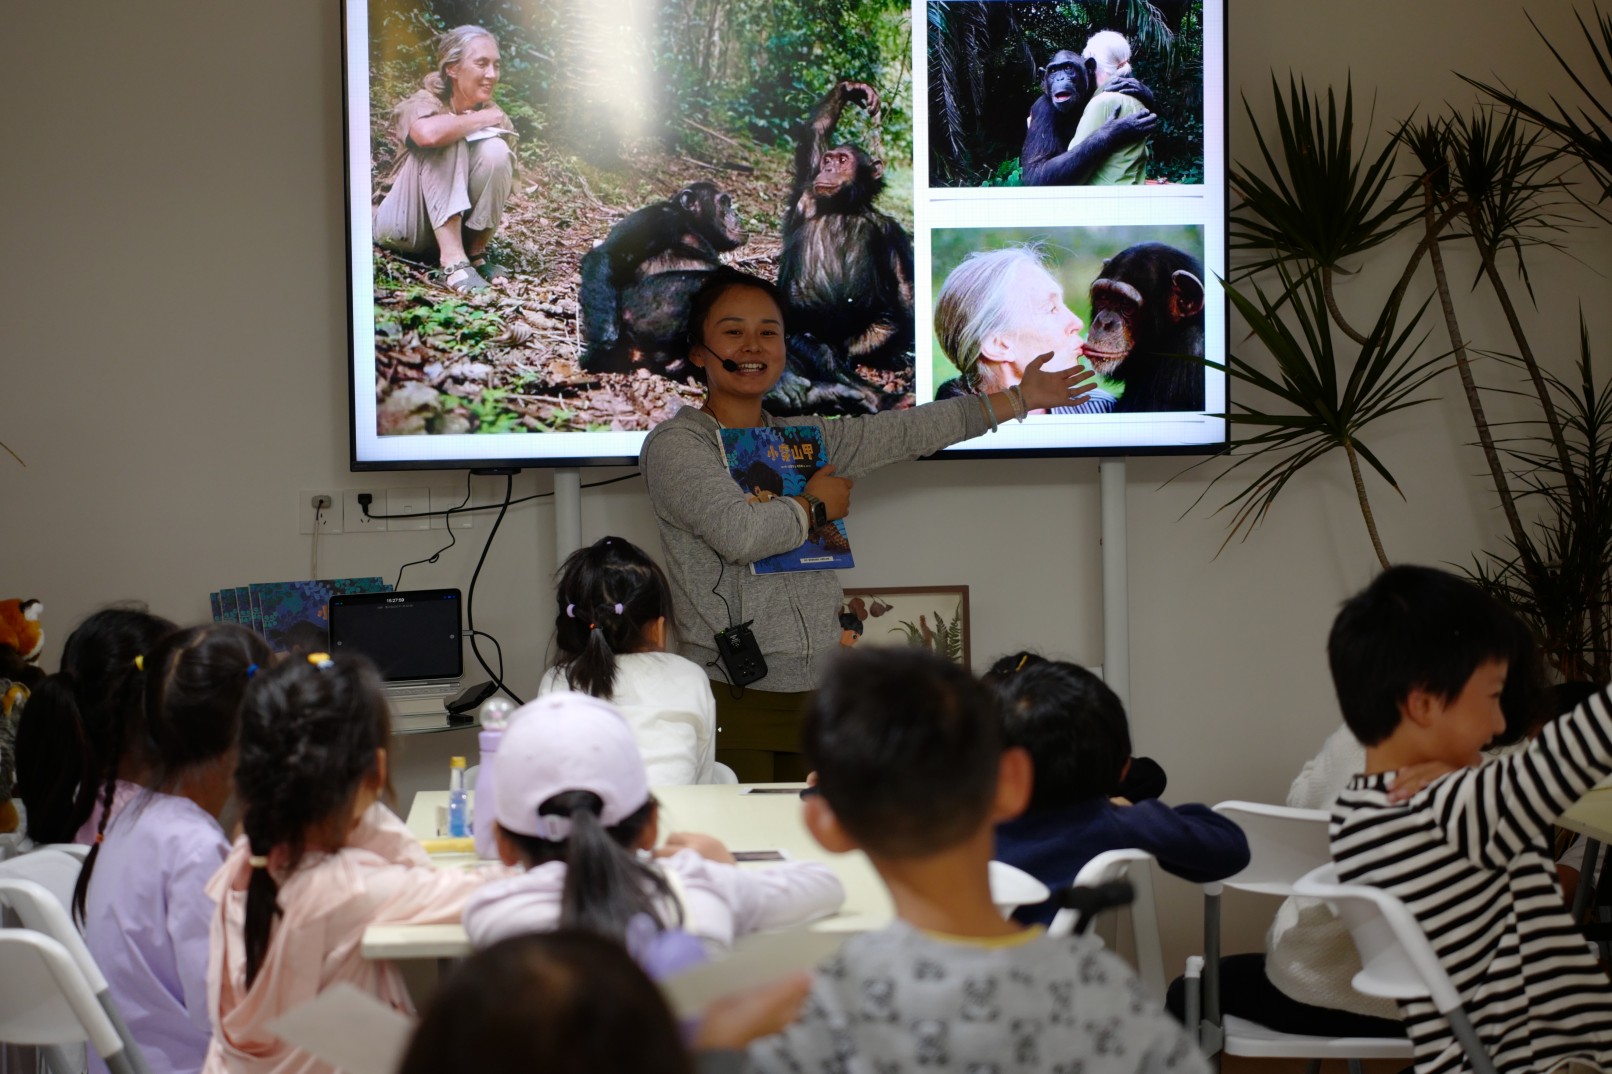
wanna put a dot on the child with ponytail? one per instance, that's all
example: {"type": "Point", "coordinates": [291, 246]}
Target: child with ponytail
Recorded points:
{"type": "Point", "coordinates": [142, 894]}
{"type": "Point", "coordinates": [572, 805]}
{"type": "Point", "coordinates": [610, 635]}
{"type": "Point", "coordinates": [73, 732]}
{"type": "Point", "coordinates": [319, 862]}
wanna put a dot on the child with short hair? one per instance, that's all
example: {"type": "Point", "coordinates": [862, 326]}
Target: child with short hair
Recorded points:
{"type": "Point", "coordinates": [74, 731]}
{"type": "Point", "coordinates": [572, 805]}
{"type": "Point", "coordinates": [319, 862]}
{"type": "Point", "coordinates": [142, 893]}
{"type": "Point", "coordinates": [573, 1002]}
{"type": "Point", "coordinates": [912, 769]}
{"type": "Point", "coordinates": [1074, 729]}
{"type": "Point", "coordinates": [615, 609]}
{"type": "Point", "coordinates": [1419, 660]}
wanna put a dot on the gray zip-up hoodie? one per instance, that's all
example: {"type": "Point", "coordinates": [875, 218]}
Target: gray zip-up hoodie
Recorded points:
{"type": "Point", "coordinates": [711, 534]}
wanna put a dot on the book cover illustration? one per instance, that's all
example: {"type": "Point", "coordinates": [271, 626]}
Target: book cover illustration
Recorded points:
{"type": "Point", "coordinates": [294, 617]}
{"type": "Point", "coordinates": [217, 605]}
{"type": "Point", "coordinates": [778, 461]}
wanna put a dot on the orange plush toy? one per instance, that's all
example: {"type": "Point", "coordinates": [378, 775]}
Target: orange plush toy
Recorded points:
{"type": "Point", "coordinates": [21, 639]}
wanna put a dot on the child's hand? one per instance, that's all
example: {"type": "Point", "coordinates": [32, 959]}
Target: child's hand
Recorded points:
{"type": "Point", "coordinates": [1116, 800]}
{"type": "Point", "coordinates": [1412, 778]}
{"type": "Point", "coordinates": [707, 847]}
{"type": "Point", "coordinates": [732, 1022]}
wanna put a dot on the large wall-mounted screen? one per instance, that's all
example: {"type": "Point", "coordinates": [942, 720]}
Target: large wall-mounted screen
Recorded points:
{"type": "Point", "coordinates": [943, 191]}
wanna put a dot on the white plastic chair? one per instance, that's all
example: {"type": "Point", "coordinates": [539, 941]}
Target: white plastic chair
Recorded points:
{"type": "Point", "coordinates": [45, 1001]}
{"type": "Point", "coordinates": [1012, 887]}
{"type": "Point", "coordinates": [55, 866]}
{"type": "Point", "coordinates": [1284, 844]}
{"type": "Point", "coordinates": [1397, 960]}
{"type": "Point", "coordinates": [40, 910]}
{"type": "Point", "coordinates": [1136, 866]}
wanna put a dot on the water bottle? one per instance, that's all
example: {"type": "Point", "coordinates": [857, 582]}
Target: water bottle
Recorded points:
{"type": "Point", "coordinates": [458, 799]}
{"type": "Point", "coordinates": [495, 712]}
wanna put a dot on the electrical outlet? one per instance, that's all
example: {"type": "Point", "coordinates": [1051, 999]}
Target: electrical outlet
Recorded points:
{"type": "Point", "coordinates": [441, 500]}
{"type": "Point", "coordinates": [353, 514]}
{"type": "Point", "coordinates": [407, 501]}
{"type": "Point", "coordinates": [320, 504]}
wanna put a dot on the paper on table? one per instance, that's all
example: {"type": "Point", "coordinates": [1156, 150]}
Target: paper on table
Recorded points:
{"type": "Point", "coordinates": [348, 1028]}
{"type": "Point", "coordinates": [762, 958]}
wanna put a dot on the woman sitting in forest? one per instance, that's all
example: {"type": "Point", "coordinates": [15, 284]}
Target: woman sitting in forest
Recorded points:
{"type": "Point", "coordinates": [455, 169]}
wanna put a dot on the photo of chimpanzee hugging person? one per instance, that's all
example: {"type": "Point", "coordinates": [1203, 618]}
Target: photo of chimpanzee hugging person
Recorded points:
{"type": "Point", "coordinates": [553, 179]}
{"type": "Point", "coordinates": [1073, 93]}
{"type": "Point", "coordinates": [1125, 302]}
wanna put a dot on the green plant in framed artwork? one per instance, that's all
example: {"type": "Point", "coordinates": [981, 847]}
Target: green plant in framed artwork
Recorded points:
{"type": "Point", "coordinates": [930, 617]}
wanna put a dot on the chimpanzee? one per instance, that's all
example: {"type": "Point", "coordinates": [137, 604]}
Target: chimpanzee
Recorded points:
{"type": "Point", "coordinates": [1147, 327]}
{"type": "Point", "coordinates": [845, 271]}
{"type": "Point", "coordinates": [1068, 83]}
{"type": "Point", "coordinates": [636, 285]}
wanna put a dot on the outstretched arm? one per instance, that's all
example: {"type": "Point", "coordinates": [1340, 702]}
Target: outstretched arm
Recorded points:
{"type": "Point", "coordinates": [815, 136]}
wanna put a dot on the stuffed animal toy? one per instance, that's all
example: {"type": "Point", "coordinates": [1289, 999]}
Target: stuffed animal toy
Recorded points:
{"type": "Point", "coordinates": [21, 639]}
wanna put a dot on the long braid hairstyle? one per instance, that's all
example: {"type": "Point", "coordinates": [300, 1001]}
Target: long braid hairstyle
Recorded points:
{"type": "Point", "coordinates": [607, 594]}
{"type": "Point", "coordinates": [72, 733]}
{"type": "Point", "coordinates": [311, 732]}
{"type": "Point", "coordinates": [192, 685]}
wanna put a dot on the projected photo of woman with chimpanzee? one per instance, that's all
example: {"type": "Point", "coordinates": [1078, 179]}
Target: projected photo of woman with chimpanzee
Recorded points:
{"type": "Point", "coordinates": [1073, 93]}
{"type": "Point", "coordinates": [1125, 302]}
{"type": "Point", "coordinates": [551, 181]}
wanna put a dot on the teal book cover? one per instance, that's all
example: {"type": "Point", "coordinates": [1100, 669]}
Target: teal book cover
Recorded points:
{"type": "Point", "coordinates": [295, 616]}
{"type": "Point", "coordinates": [778, 461]}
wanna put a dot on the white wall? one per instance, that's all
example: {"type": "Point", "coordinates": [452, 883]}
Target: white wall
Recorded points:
{"type": "Point", "coordinates": [173, 341]}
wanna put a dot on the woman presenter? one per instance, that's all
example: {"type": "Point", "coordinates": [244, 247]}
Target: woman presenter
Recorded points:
{"type": "Point", "coordinates": [713, 530]}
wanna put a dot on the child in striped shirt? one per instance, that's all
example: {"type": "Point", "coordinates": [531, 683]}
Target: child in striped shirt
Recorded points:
{"type": "Point", "coordinates": [1420, 659]}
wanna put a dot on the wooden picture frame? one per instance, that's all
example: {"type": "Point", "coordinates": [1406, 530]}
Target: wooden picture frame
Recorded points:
{"type": "Point", "coordinates": [933, 616]}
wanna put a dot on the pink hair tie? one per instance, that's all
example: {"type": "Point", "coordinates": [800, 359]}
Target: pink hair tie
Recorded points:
{"type": "Point", "coordinates": [618, 608]}
{"type": "Point", "coordinates": [570, 611]}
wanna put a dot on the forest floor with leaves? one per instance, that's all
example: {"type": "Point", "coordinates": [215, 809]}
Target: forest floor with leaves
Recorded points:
{"type": "Point", "coordinates": [507, 359]}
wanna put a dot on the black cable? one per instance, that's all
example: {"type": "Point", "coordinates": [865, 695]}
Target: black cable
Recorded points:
{"type": "Point", "coordinates": [499, 649]}
{"type": "Point", "coordinates": [452, 540]}
{"type": "Point", "coordinates": [470, 598]}
{"type": "Point", "coordinates": [492, 506]}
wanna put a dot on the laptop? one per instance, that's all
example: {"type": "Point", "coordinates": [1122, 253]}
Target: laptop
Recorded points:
{"type": "Point", "coordinates": [414, 639]}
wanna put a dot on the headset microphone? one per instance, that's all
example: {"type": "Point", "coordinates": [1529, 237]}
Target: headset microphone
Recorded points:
{"type": "Point", "coordinates": [726, 363]}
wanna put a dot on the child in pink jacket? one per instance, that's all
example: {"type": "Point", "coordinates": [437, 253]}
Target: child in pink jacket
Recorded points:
{"type": "Point", "coordinates": [320, 861]}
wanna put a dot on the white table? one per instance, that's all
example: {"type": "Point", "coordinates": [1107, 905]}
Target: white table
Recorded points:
{"type": "Point", "coordinates": [742, 821]}
{"type": "Point", "coordinates": [735, 814]}
{"type": "Point", "coordinates": [1591, 817]}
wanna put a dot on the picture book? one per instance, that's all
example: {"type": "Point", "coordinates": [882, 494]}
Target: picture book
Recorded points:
{"type": "Point", "coordinates": [776, 461]}
{"type": "Point", "coordinates": [294, 616]}
{"type": "Point", "coordinates": [217, 605]}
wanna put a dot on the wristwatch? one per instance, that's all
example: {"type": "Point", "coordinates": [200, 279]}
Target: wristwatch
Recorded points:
{"type": "Point", "coordinates": [819, 510]}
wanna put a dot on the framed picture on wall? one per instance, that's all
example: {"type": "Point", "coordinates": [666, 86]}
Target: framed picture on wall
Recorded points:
{"type": "Point", "coordinates": [934, 617]}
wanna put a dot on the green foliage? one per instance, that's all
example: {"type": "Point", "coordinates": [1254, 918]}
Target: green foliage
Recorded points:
{"type": "Point", "coordinates": [489, 410]}
{"type": "Point", "coordinates": [447, 324]}
{"type": "Point", "coordinates": [1321, 203]}
{"type": "Point", "coordinates": [1320, 404]}
{"type": "Point", "coordinates": [1585, 132]}
{"type": "Point", "coordinates": [1559, 577]}
{"type": "Point", "coordinates": [944, 637]}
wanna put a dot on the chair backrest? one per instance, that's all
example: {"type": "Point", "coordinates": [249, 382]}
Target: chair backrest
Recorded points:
{"type": "Point", "coordinates": [1397, 960]}
{"type": "Point", "coordinates": [1012, 887]}
{"type": "Point", "coordinates": [1283, 844]}
{"type": "Point", "coordinates": [1137, 867]}
{"type": "Point", "coordinates": [45, 1000]}
{"type": "Point", "coordinates": [40, 910]}
{"type": "Point", "coordinates": [53, 867]}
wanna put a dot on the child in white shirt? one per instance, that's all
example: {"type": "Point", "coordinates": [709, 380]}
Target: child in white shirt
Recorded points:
{"type": "Point", "coordinates": [572, 805]}
{"type": "Point", "coordinates": [610, 635]}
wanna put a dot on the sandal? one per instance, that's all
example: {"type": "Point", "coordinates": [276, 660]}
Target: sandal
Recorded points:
{"type": "Point", "coordinates": [490, 270]}
{"type": "Point", "coordinates": [461, 276]}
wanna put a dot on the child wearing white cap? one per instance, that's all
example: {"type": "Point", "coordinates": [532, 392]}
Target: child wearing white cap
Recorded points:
{"type": "Point", "coordinates": [572, 805]}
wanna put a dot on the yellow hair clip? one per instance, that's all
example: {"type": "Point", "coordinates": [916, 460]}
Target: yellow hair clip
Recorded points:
{"type": "Point", "coordinates": [140, 662]}
{"type": "Point", "coordinates": [321, 660]}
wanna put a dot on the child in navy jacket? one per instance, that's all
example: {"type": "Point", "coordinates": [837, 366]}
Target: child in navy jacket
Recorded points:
{"type": "Point", "coordinates": [1074, 728]}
